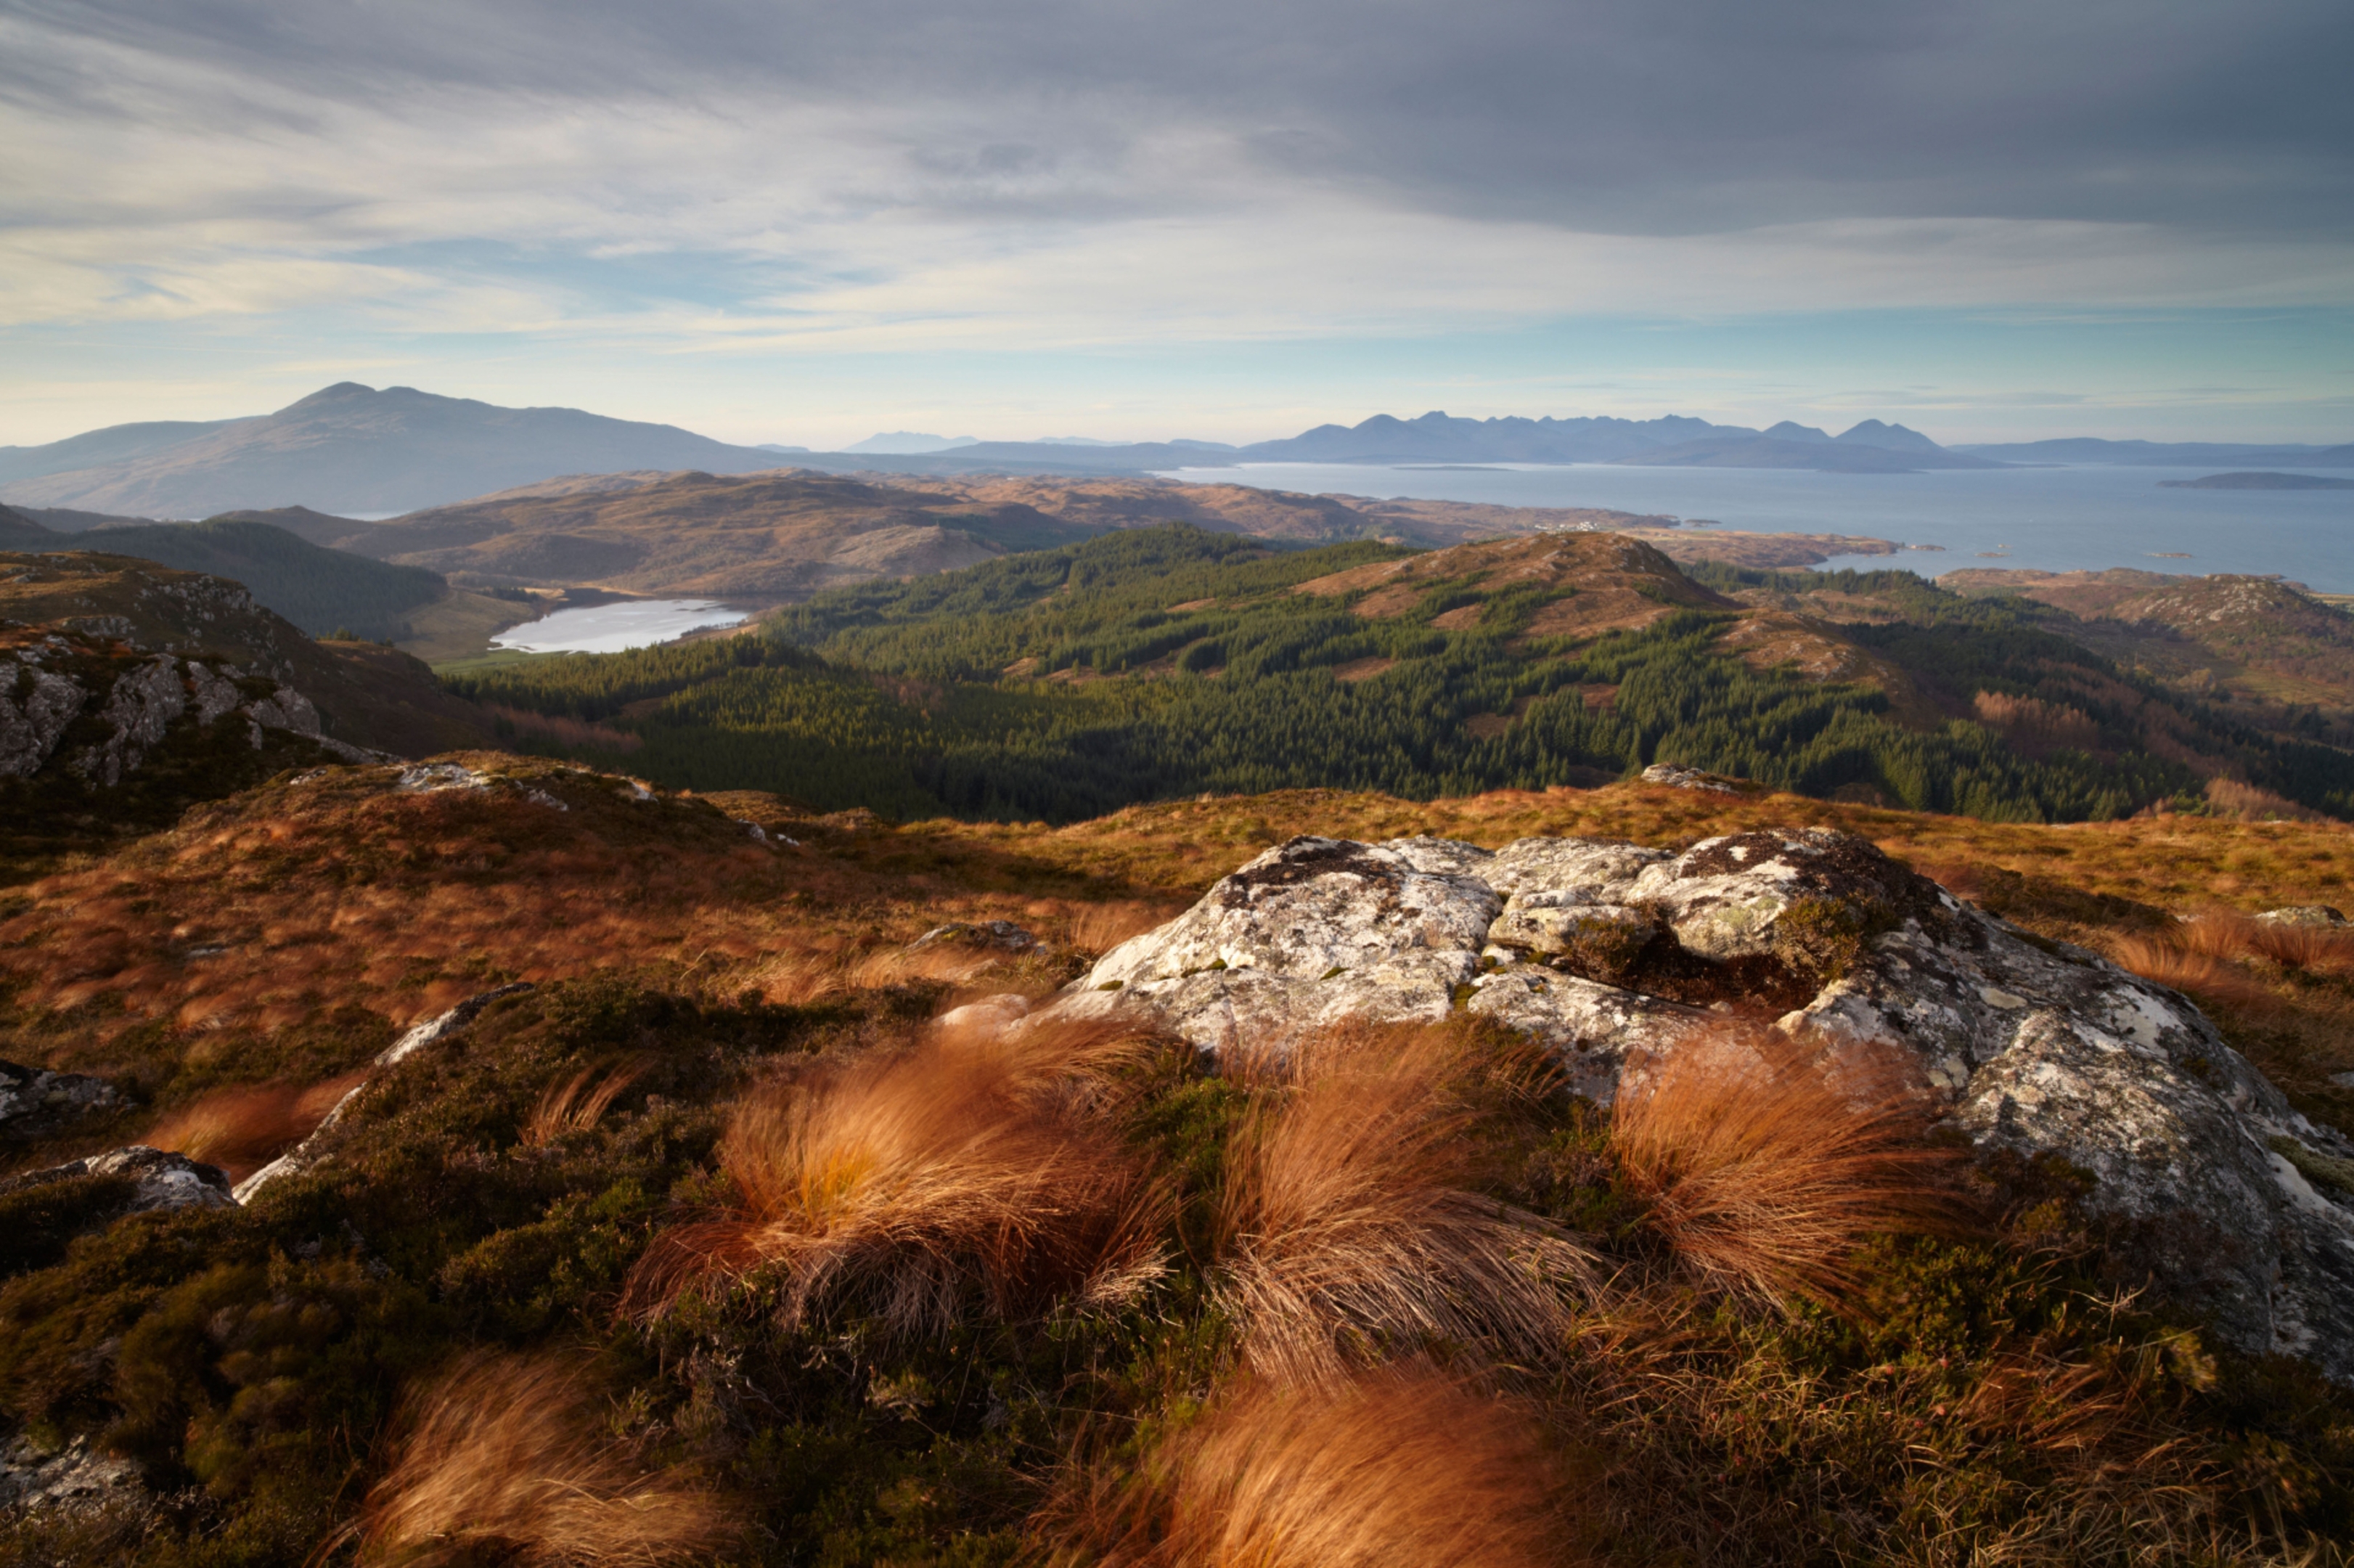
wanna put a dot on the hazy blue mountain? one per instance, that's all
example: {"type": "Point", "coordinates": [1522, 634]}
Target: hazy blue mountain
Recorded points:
{"type": "Point", "coordinates": [2261, 481]}
{"type": "Point", "coordinates": [909, 443]}
{"type": "Point", "coordinates": [349, 448]}
{"type": "Point", "coordinates": [66, 520]}
{"type": "Point", "coordinates": [2165, 454]}
{"type": "Point", "coordinates": [1437, 437]}
{"type": "Point", "coordinates": [1827, 457]}
{"type": "Point", "coordinates": [1791, 430]}
{"type": "Point", "coordinates": [93, 448]}
{"type": "Point", "coordinates": [1894, 438]}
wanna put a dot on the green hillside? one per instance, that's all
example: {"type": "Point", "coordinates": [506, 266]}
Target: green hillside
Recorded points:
{"type": "Point", "coordinates": [1163, 663]}
{"type": "Point", "coordinates": [321, 590]}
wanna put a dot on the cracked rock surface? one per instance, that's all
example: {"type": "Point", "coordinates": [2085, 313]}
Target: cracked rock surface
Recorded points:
{"type": "Point", "coordinates": [1603, 952]}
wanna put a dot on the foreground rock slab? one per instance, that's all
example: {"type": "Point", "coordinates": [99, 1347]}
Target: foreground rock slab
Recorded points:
{"type": "Point", "coordinates": [1608, 953]}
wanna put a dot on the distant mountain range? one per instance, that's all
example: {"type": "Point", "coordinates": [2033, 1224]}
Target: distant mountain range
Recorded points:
{"type": "Point", "coordinates": [351, 449]}
{"type": "Point", "coordinates": [2163, 454]}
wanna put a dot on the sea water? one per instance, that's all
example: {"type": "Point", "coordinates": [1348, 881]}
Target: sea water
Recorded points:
{"type": "Point", "coordinates": [2075, 518]}
{"type": "Point", "coordinates": [611, 628]}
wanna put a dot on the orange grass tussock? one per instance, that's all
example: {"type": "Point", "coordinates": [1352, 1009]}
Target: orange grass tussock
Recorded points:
{"type": "Point", "coordinates": [1384, 1473]}
{"type": "Point", "coordinates": [1764, 1174]}
{"type": "Point", "coordinates": [1346, 1232]}
{"type": "Point", "coordinates": [580, 1101]}
{"type": "Point", "coordinates": [2203, 975]}
{"type": "Point", "coordinates": [243, 1127]}
{"type": "Point", "coordinates": [911, 1180]}
{"type": "Point", "coordinates": [504, 1458]}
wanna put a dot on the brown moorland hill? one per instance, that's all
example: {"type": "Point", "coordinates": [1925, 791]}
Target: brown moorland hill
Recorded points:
{"type": "Point", "coordinates": [2257, 638]}
{"type": "Point", "coordinates": [1591, 583]}
{"type": "Point", "coordinates": [768, 537]}
{"type": "Point", "coordinates": [778, 537]}
{"type": "Point", "coordinates": [433, 1322]}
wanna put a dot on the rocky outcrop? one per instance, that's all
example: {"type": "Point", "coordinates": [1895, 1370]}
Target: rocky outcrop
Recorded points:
{"type": "Point", "coordinates": [73, 1479]}
{"type": "Point", "coordinates": [315, 1147]}
{"type": "Point", "coordinates": [159, 1180]}
{"type": "Point", "coordinates": [36, 705]}
{"type": "Point", "coordinates": [1000, 936]}
{"type": "Point", "coordinates": [35, 1103]}
{"type": "Point", "coordinates": [1605, 952]}
{"type": "Point", "coordinates": [48, 682]}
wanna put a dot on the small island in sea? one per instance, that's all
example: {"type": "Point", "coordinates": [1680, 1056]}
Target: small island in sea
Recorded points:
{"type": "Point", "coordinates": [2257, 481]}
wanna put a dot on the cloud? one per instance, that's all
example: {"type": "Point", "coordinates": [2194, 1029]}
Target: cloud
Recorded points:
{"type": "Point", "coordinates": [716, 178]}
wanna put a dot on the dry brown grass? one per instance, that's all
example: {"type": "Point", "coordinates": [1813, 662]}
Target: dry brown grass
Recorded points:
{"type": "Point", "coordinates": [1100, 927]}
{"type": "Point", "coordinates": [244, 1127]}
{"type": "Point", "coordinates": [1396, 1472]}
{"type": "Point", "coordinates": [504, 1458]}
{"type": "Point", "coordinates": [1762, 1174]}
{"type": "Point", "coordinates": [802, 975]}
{"type": "Point", "coordinates": [2226, 934]}
{"type": "Point", "coordinates": [580, 1101]}
{"type": "Point", "coordinates": [2201, 975]}
{"type": "Point", "coordinates": [1347, 1231]}
{"type": "Point", "coordinates": [911, 1180]}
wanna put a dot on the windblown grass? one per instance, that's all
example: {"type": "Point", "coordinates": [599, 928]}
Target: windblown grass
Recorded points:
{"type": "Point", "coordinates": [580, 1101]}
{"type": "Point", "coordinates": [504, 1458]}
{"type": "Point", "coordinates": [243, 1127]}
{"type": "Point", "coordinates": [1385, 1473]}
{"type": "Point", "coordinates": [1348, 1232]}
{"type": "Point", "coordinates": [1762, 1174]}
{"type": "Point", "coordinates": [909, 1182]}
{"type": "Point", "coordinates": [2202, 975]}
{"type": "Point", "coordinates": [2226, 934]}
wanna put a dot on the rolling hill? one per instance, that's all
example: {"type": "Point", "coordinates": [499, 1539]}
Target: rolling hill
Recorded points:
{"type": "Point", "coordinates": [2258, 640]}
{"type": "Point", "coordinates": [776, 538]}
{"type": "Point", "coordinates": [1165, 661]}
{"type": "Point", "coordinates": [323, 591]}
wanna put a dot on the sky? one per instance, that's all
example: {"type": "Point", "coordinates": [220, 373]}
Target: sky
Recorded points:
{"type": "Point", "coordinates": [1225, 219]}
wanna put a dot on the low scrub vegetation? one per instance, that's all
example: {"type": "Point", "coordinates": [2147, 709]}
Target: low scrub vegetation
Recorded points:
{"type": "Point", "coordinates": [718, 1246]}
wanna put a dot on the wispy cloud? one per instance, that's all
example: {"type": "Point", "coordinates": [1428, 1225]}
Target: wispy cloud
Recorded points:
{"type": "Point", "coordinates": [714, 180]}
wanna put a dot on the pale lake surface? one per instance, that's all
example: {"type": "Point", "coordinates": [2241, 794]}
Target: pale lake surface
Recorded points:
{"type": "Point", "coordinates": [2056, 519]}
{"type": "Point", "coordinates": [611, 628]}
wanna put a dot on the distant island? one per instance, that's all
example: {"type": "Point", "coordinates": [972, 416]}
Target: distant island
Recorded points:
{"type": "Point", "coordinates": [2257, 481]}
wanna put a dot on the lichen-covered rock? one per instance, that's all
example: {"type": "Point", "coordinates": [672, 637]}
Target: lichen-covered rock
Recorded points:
{"type": "Point", "coordinates": [160, 1179]}
{"type": "Point", "coordinates": [72, 1479]}
{"type": "Point", "coordinates": [1678, 777]}
{"type": "Point", "coordinates": [1312, 931]}
{"type": "Point", "coordinates": [1002, 935]}
{"type": "Point", "coordinates": [141, 709]}
{"type": "Point", "coordinates": [35, 1103]}
{"type": "Point", "coordinates": [2241, 1205]}
{"type": "Point", "coordinates": [36, 705]}
{"type": "Point", "coordinates": [2305, 914]}
{"type": "Point", "coordinates": [140, 699]}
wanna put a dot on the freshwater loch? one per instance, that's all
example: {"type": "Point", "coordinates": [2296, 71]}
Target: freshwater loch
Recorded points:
{"type": "Point", "coordinates": [2058, 519]}
{"type": "Point", "coordinates": [613, 627]}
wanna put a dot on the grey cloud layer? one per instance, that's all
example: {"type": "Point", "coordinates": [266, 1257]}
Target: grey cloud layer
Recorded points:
{"type": "Point", "coordinates": [1633, 116]}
